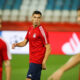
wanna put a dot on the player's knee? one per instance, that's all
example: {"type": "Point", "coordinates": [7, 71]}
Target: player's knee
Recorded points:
{"type": "Point", "coordinates": [28, 79]}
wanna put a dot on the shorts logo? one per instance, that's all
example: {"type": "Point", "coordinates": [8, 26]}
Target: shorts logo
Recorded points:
{"type": "Point", "coordinates": [30, 75]}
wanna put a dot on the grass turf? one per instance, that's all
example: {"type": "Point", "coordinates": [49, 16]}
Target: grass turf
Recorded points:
{"type": "Point", "coordinates": [20, 65]}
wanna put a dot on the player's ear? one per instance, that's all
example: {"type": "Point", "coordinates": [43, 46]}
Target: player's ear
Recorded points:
{"type": "Point", "coordinates": [31, 18]}
{"type": "Point", "coordinates": [41, 18]}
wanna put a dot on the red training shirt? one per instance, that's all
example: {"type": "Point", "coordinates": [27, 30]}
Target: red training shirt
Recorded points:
{"type": "Point", "coordinates": [37, 38]}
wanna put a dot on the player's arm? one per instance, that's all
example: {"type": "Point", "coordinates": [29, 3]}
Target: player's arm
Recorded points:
{"type": "Point", "coordinates": [47, 53]}
{"type": "Point", "coordinates": [7, 69]}
{"type": "Point", "coordinates": [71, 63]}
{"type": "Point", "coordinates": [20, 44]}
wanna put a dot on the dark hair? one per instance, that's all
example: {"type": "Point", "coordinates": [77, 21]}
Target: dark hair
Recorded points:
{"type": "Point", "coordinates": [78, 8]}
{"type": "Point", "coordinates": [37, 12]}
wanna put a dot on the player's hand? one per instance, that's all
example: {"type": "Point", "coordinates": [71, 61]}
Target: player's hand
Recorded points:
{"type": "Point", "coordinates": [43, 66]}
{"type": "Point", "coordinates": [13, 45]}
{"type": "Point", "coordinates": [56, 76]}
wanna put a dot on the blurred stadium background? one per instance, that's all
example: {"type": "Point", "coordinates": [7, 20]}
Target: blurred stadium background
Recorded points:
{"type": "Point", "coordinates": [53, 10]}
{"type": "Point", "coordinates": [59, 19]}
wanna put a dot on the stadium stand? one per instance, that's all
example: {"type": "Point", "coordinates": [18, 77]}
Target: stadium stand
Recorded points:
{"type": "Point", "coordinates": [53, 10]}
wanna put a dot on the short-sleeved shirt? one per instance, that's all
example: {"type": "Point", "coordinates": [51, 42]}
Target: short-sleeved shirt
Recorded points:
{"type": "Point", "coordinates": [4, 54]}
{"type": "Point", "coordinates": [38, 38]}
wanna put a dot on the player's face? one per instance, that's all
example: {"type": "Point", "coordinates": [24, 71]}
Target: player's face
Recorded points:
{"type": "Point", "coordinates": [78, 16]}
{"type": "Point", "coordinates": [36, 19]}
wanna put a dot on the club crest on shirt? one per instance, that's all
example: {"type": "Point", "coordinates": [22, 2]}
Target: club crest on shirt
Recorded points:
{"type": "Point", "coordinates": [29, 32]}
{"type": "Point", "coordinates": [34, 35]}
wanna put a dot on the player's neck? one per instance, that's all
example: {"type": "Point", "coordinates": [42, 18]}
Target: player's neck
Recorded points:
{"type": "Point", "coordinates": [34, 26]}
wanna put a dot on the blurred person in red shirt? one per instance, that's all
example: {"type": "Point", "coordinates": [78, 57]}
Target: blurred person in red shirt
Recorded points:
{"type": "Point", "coordinates": [5, 58]}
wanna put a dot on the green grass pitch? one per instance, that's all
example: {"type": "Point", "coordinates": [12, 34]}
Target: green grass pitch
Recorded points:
{"type": "Point", "coordinates": [20, 64]}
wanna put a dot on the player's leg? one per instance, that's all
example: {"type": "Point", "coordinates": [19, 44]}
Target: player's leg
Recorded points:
{"type": "Point", "coordinates": [38, 76]}
{"type": "Point", "coordinates": [38, 71]}
{"type": "Point", "coordinates": [29, 74]}
{"type": "Point", "coordinates": [28, 79]}
{"type": "Point", "coordinates": [34, 72]}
